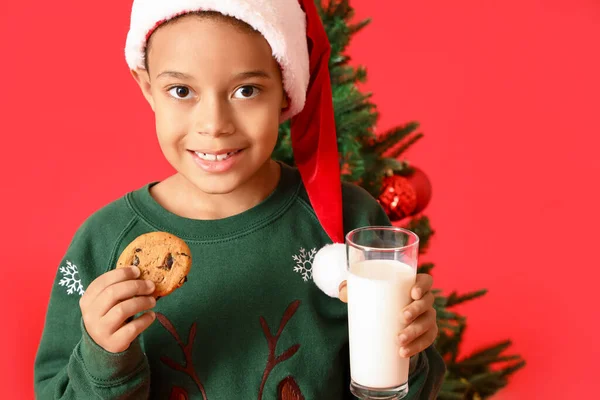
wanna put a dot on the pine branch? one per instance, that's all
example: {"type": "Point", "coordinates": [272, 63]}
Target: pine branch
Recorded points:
{"type": "Point", "coordinates": [507, 371]}
{"type": "Point", "coordinates": [425, 268]}
{"type": "Point", "coordinates": [449, 326]}
{"type": "Point", "coordinates": [422, 228]}
{"type": "Point", "coordinates": [386, 164]}
{"type": "Point", "coordinates": [342, 9]}
{"type": "Point", "coordinates": [338, 61]}
{"type": "Point", "coordinates": [448, 345]}
{"type": "Point", "coordinates": [351, 76]}
{"type": "Point", "coordinates": [452, 385]}
{"type": "Point", "coordinates": [398, 152]}
{"type": "Point", "coordinates": [443, 313]}
{"type": "Point", "coordinates": [392, 137]}
{"type": "Point", "coordinates": [355, 28]}
{"type": "Point", "coordinates": [352, 103]}
{"type": "Point", "coordinates": [454, 299]}
{"type": "Point", "coordinates": [492, 351]}
{"type": "Point", "coordinates": [487, 360]}
{"type": "Point", "coordinates": [449, 395]}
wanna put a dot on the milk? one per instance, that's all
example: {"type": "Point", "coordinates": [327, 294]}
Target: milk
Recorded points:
{"type": "Point", "coordinates": [378, 290]}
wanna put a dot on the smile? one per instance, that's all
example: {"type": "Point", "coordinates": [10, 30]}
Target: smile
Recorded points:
{"type": "Point", "coordinates": [216, 157]}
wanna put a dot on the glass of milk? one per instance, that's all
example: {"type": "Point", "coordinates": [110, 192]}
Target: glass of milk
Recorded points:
{"type": "Point", "coordinates": [382, 267]}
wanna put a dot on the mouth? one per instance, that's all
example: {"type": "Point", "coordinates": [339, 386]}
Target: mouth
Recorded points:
{"type": "Point", "coordinates": [216, 155]}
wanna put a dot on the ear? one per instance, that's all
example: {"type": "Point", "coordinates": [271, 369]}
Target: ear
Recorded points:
{"type": "Point", "coordinates": [142, 78]}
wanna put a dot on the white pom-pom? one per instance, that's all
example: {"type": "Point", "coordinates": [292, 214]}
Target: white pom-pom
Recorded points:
{"type": "Point", "coordinates": [329, 268]}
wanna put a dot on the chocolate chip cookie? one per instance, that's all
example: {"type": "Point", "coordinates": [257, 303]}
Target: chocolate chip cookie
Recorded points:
{"type": "Point", "coordinates": [161, 257]}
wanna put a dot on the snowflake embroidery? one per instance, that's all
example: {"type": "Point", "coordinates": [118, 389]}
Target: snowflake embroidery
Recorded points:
{"type": "Point", "coordinates": [71, 279]}
{"type": "Point", "coordinates": [304, 262]}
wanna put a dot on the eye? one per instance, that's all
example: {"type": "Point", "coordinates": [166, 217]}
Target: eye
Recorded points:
{"type": "Point", "coordinates": [247, 92]}
{"type": "Point", "coordinates": [180, 92]}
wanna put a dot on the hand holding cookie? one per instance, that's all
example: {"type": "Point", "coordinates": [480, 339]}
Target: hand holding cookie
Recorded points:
{"type": "Point", "coordinates": [110, 300]}
{"type": "Point", "coordinates": [163, 258]}
{"type": "Point", "coordinates": [151, 266]}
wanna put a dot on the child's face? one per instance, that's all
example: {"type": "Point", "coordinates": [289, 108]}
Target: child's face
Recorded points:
{"type": "Point", "coordinates": [214, 88]}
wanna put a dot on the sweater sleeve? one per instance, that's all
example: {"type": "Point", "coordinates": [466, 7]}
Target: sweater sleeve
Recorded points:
{"type": "Point", "coordinates": [69, 364]}
{"type": "Point", "coordinates": [427, 369]}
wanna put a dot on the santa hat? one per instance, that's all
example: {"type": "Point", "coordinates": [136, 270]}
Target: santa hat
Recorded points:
{"type": "Point", "coordinates": [300, 45]}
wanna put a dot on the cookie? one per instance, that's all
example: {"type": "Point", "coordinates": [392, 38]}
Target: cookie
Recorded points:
{"type": "Point", "coordinates": [161, 257]}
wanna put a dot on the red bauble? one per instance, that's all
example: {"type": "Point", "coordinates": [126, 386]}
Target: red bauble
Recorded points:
{"type": "Point", "coordinates": [398, 197]}
{"type": "Point", "coordinates": [404, 196]}
{"type": "Point", "coordinates": [422, 185]}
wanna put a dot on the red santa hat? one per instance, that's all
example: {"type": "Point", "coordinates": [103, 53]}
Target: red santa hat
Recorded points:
{"type": "Point", "coordinates": [300, 45]}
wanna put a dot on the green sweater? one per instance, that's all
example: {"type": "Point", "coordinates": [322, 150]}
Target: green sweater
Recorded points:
{"type": "Point", "coordinates": [248, 324]}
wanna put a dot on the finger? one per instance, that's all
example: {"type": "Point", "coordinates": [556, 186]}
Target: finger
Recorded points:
{"type": "Point", "coordinates": [107, 279]}
{"type": "Point", "coordinates": [420, 344]}
{"type": "Point", "coordinates": [128, 332]}
{"type": "Point", "coordinates": [421, 327]}
{"type": "Point", "coordinates": [343, 289]}
{"type": "Point", "coordinates": [121, 291]}
{"type": "Point", "coordinates": [423, 284]}
{"type": "Point", "coordinates": [117, 315]}
{"type": "Point", "coordinates": [418, 307]}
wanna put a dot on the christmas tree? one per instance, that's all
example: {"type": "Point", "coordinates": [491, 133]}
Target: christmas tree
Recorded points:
{"type": "Point", "coordinates": [375, 163]}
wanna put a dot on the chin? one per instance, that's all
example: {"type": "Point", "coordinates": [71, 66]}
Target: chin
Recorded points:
{"type": "Point", "coordinates": [215, 184]}
{"type": "Point", "coordinates": [226, 182]}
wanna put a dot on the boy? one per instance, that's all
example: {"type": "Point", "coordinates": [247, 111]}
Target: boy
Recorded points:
{"type": "Point", "coordinates": [220, 76]}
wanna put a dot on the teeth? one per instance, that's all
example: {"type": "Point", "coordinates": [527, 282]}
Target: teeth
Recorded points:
{"type": "Point", "coordinates": [208, 157]}
{"type": "Point", "coordinates": [214, 157]}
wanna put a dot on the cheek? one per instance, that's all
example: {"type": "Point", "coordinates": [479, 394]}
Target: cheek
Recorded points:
{"type": "Point", "coordinates": [170, 132]}
{"type": "Point", "coordinates": [170, 123]}
{"type": "Point", "coordinates": [261, 122]}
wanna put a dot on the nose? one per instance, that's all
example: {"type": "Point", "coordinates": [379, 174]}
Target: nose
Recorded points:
{"type": "Point", "coordinates": [213, 116]}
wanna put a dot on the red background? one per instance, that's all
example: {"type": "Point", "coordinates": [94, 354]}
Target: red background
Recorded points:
{"type": "Point", "coordinates": [506, 93]}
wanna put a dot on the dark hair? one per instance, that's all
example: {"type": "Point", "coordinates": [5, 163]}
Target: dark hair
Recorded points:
{"type": "Point", "coordinates": [212, 15]}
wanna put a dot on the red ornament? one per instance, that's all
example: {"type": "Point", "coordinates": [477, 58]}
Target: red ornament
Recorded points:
{"type": "Point", "coordinates": [404, 196]}
{"type": "Point", "coordinates": [422, 185]}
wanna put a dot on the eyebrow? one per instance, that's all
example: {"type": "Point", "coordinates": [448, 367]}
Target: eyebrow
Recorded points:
{"type": "Point", "coordinates": [253, 74]}
{"type": "Point", "coordinates": [174, 74]}
{"type": "Point", "coordinates": [242, 75]}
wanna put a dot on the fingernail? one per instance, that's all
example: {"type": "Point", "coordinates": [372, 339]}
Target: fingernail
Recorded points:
{"type": "Point", "coordinates": [407, 315]}
{"type": "Point", "coordinates": [136, 271]}
{"type": "Point", "coordinates": [150, 284]}
{"type": "Point", "coordinates": [418, 293]}
{"type": "Point", "coordinates": [402, 338]}
{"type": "Point", "coordinates": [403, 352]}
{"type": "Point", "coordinates": [152, 314]}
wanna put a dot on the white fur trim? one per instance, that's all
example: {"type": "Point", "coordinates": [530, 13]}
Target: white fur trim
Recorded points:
{"type": "Point", "coordinates": [281, 22]}
{"type": "Point", "coordinates": [329, 268]}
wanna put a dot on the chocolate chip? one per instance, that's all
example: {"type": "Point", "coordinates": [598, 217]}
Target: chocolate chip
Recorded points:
{"type": "Point", "coordinates": [182, 280]}
{"type": "Point", "coordinates": [138, 250]}
{"type": "Point", "coordinates": [183, 254]}
{"type": "Point", "coordinates": [136, 261]}
{"type": "Point", "coordinates": [169, 261]}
